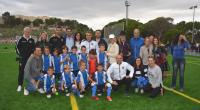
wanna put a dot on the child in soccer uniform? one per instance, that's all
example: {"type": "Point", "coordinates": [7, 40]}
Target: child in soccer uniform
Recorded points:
{"type": "Point", "coordinates": [56, 63]}
{"type": "Point", "coordinates": [74, 59]}
{"type": "Point", "coordinates": [47, 59]}
{"type": "Point", "coordinates": [83, 80]}
{"type": "Point", "coordinates": [83, 55]}
{"type": "Point", "coordinates": [140, 79]}
{"type": "Point", "coordinates": [68, 81]}
{"type": "Point", "coordinates": [101, 81]}
{"type": "Point", "coordinates": [92, 62]}
{"type": "Point", "coordinates": [102, 57]}
{"type": "Point", "coordinates": [48, 82]}
{"type": "Point", "coordinates": [64, 58]}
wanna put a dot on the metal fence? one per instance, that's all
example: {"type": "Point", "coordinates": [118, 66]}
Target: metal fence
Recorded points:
{"type": "Point", "coordinates": [193, 52]}
{"type": "Point", "coordinates": [113, 29]}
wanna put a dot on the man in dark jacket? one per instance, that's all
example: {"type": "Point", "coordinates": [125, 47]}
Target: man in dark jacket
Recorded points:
{"type": "Point", "coordinates": [56, 41]}
{"type": "Point", "coordinates": [99, 39]}
{"type": "Point", "coordinates": [25, 47]}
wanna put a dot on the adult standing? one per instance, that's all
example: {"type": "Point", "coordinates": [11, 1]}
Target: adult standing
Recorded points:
{"type": "Point", "coordinates": [77, 41]}
{"type": "Point", "coordinates": [124, 47]}
{"type": "Point", "coordinates": [43, 40]}
{"type": "Point", "coordinates": [89, 43]}
{"type": "Point", "coordinates": [99, 39]}
{"type": "Point", "coordinates": [117, 74]}
{"type": "Point", "coordinates": [25, 47]}
{"type": "Point", "coordinates": [33, 71]}
{"type": "Point", "coordinates": [146, 51]}
{"type": "Point", "coordinates": [113, 49]}
{"type": "Point", "coordinates": [56, 41]}
{"type": "Point", "coordinates": [154, 74]}
{"type": "Point", "coordinates": [151, 37]}
{"type": "Point", "coordinates": [178, 48]}
{"type": "Point", "coordinates": [69, 39]}
{"type": "Point", "coordinates": [160, 55]}
{"type": "Point", "coordinates": [136, 43]}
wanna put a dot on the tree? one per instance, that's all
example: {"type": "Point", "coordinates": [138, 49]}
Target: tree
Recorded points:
{"type": "Point", "coordinates": [18, 21]}
{"type": "Point", "coordinates": [158, 26]}
{"type": "Point", "coordinates": [6, 17]}
{"type": "Point", "coordinates": [169, 35]}
{"type": "Point", "coordinates": [50, 21]}
{"type": "Point", "coordinates": [132, 24]}
{"type": "Point", "coordinates": [26, 22]}
{"type": "Point", "coordinates": [37, 22]}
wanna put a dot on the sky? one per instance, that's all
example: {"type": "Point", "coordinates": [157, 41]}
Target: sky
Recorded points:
{"type": "Point", "coordinates": [97, 13]}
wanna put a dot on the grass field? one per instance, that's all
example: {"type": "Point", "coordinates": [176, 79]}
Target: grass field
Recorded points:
{"type": "Point", "coordinates": [12, 100]}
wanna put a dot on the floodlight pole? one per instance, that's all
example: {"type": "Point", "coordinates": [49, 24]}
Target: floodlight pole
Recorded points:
{"type": "Point", "coordinates": [127, 4]}
{"type": "Point", "coordinates": [193, 7]}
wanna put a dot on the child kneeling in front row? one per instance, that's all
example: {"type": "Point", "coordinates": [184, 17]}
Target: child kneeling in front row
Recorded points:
{"type": "Point", "coordinates": [47, 82]}
{"type": "Point", "coordinates": [102, 83]}
{"type": "Point", "coordinates": [84, 80]}
{"type": "Point", "coordinates": [68, 81]}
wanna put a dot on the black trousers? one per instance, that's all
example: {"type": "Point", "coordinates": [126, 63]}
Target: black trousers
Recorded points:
{"type": "Point", "coordinates": [100, 88]}
{"type": "Point", "coordinates": [22, 64]}
{"type": "Point", "coordinates": [125, 81]}
{"type": "Point", "coordinates": [153, 91]}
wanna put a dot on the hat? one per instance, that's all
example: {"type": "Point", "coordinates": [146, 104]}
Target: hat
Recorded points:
{"type": "Point", "coordinates": [111, 36]}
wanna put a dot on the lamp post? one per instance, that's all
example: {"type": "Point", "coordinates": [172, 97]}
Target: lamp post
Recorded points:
{"type": "Point", "coordinates": [127, 4]}
{"type": "Point", "coordinates": [193, 7]}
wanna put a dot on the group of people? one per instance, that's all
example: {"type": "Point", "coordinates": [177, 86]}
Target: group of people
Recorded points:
{"type": "Point", "coordinates": [66, 64]}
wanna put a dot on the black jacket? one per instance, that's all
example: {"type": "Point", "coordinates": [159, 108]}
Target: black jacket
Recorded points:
{"type": "Point", "coordinates": [102, 41]}
{"type": "Point", "coordinates": [25, 47]}
{"type": "Point", "coordinates": [56, 42]}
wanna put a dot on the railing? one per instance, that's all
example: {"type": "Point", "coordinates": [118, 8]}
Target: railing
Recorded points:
{"type": "Point", "coordinates": [193, 52]}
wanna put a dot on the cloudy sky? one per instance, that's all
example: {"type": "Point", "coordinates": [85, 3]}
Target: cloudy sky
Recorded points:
{"type": "Point", "coordinates": [97, 13]}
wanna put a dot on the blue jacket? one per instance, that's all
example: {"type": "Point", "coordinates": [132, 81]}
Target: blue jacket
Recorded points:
{"type": "Point", "coordinates": [49, 81]}
{"type": "Point", "coordinates": [74, 61]}
{"type": "Point", "coordinates": [68, 79]}
{"type": "Point", "coordinates": [62, 59]}
{"type": "Point", "coordinates": [178, 51]}
{"type": "Point", "coordinates": [135, 45]}
{"type": "Point", "coordinates": [100, 77]}
{"type": "Point", "coordinates": [83, 78]}
{"type": "Point", "coordinates": [56, 64]}
{"type": "Point", "coordinates": [47, 61]}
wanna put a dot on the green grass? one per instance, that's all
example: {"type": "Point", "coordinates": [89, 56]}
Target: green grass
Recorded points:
{"type": "Point", "coordinates": [11, 100]}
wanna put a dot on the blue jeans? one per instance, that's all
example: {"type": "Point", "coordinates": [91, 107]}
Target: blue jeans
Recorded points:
{"type": "Point", "coordinates": [140, 82]}
{"type": "Point", "coordinates": [178, 65]}
{"type": "Point", "coordinates": [32, 87]}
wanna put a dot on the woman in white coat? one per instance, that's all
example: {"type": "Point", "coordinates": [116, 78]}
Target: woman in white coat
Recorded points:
{"type": "Point", "coordinates": [113, 49]}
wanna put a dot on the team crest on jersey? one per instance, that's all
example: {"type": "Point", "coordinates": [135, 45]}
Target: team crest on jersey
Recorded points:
{"type": "Point", "coordinates": [30, 41]}
{"type": "Point", "coordinates": [122, 67]}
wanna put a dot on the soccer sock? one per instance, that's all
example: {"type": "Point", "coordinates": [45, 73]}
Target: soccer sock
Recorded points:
{"type": "Point", "coordinates": [94, 89]}
{"type": "Point", "coordinates": [109, 91]}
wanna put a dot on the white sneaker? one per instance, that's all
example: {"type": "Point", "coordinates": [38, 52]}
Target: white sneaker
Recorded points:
{"type": "Point", "coordinates": [136, 90]}
{"type": "Point", "coordinates": [49, 96]}
{"type": "Point", "coordinates": [26, 92]}
{"type": "Point", "coordinates": [68, 94]}
{"type": "Point", "coordinates": [142, 91]}
{"type": "Point", "coordinates": [19, 88]}
{"type": "Point", "coordinates": [81, 96]}
{"type": "Point", "coordinates": [41, 91]}
{"type": "Point", "coordinates": [99, 94]}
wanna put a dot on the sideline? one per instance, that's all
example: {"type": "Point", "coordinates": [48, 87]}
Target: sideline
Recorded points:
{"type": "Point", "coordinates": [73, 102]}
{"type": "Point", "coordinates": [182, 94]}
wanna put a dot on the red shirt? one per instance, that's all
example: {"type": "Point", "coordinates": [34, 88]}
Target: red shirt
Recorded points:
{"type": "Point", "coordinates": [92, 66]}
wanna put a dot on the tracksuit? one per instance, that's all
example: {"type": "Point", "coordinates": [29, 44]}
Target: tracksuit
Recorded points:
{"type": "Point", "coordinates": [101, 82]}
{"type": "Point", "coordinates": [47, 62]}
{"type": "Point", "coordinates": [48, 83]}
